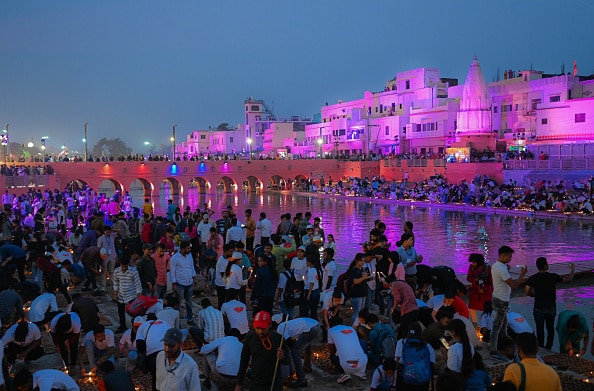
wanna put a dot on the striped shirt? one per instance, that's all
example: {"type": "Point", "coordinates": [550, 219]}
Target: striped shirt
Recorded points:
{"type": "Point", "coordinates": [182, 269]}
{"type": "Point", "coordinates": [211, 321]}
{"type": "Point", "coordinates": [126, 284]}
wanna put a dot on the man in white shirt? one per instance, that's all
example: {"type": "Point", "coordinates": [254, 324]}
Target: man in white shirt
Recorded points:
{"type": "Point", "coordinates": [107, 242]}
{"type": "Point", "coordinates": [65, 331]}
{"type": "Point", "coordinates": [236, 314]}
{"type": "Point", "coordinates": [182, 274]}
{"type": "Point", "coordinates": [44, 380]}
{"type": "Point", "coordinates": [346, 353]}
{"type": "Point", "coordinates": [22, 341]}
{"type": "Point", "coordinates": [99, 346]}
{"type": "Point", "coordinates": [265, 227]}
{"type": "Point", "coordinates": [43, 308]}
{"type": "Point", "coordinates": [149, 342]}
{"type": "Point", "coordinates": [210, 324]}
{"type": "Point", "coordinates": [220, 273]}
{"type": "Point", "coordinates": [176, 370]}
{"type": "Point", "coordinates": [222, 357]}
{"type": "Point", "coordinates": [299, 334]}
{"type": "Point", "coordinates": [126, 288]}
{"type": "Point", "coordinates": [234, 233]}
{"type": "Point", "coordinates": [502, 287]}
{"type": "Point", "coordinates": [329, 276]}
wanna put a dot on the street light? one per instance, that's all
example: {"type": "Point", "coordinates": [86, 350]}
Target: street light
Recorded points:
{"type": "Point", "coordinates": [43, 146]}
{"type": "Point", "coordinates": [321, 143]}
{"type": "Point", "coordinates": [173, 140]}
{"type": "Point", "coordinates": [249, 142]}
{"type": "Point", "coordinates": [85, 141]}
{"type": "Point", "coordinates": [6, 143]}
{"type": "Point", "coordinates": [30, 145]}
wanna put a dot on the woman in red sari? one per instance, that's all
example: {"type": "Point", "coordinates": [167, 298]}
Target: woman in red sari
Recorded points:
{"type": "Point", "coordinates": [479, 274]}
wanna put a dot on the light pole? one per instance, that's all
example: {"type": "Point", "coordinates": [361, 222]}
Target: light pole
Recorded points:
{"type": "Point", "coordinates": [86, 143]}
{"type": "Point", "coordinates": [173, 141]}
{"type": "Point", "coordinates": [6, 143]}
{"type": "Point", "coordinates": [321, 144]}
{"type": "Point", "coordinates": [43, 146]}
{"type": "Point", "coordinates": [249, 143]}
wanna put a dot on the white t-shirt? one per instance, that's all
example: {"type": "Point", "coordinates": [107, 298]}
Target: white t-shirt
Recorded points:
{"type": "Point", "coordinates": [41, 305]}
{"type": "Point", "coordinates": [282, 283]}
{"type": "Point", "coordinates": [220, 268]}
{"type": "Point", "coordinates": [296, 327]}
{"type": "Point", "coordinates": [235, 279]}
{"type": "Point", "coordinates": [156, 308]}
{"type": "Point", "coordinates": [329, 271]}
{"type": "Point", "coordinates": [487, 320]}
{"type": "Point", "coordinates": [326, 299]}
{"type": "Point", "coordinates": [108, 341]}
{"type": "Point", "coordinates": [153, 336]}
{"type": "Point", "coordinates": [236, 313]}
{"type": "Point", "coordinates": [347, 343]}
{"type": "Point", "coordinates": [299, 267]}
{"type": "Point", "coordinates": [126, 340]}
{"type": "Point", "coordinates": [228, 354]}
{"type": "Point", "coordinates": [74, 318]}
{"type": "Point", "coordinates": [518, 323]}
{"type": "Point", "coordinates": [32, 335]}
{"type": "Point", "coordinates": [400, 346]}
{"type": "Point", "coordinates": [435, 302]}
{"type": "Point", "coordinates": [312, 278]}
{"type": "Point", "coordinates": [48, 379]}
{"type": "Point", "coordinates": [500, 274]}
{"type": "Point", "coordinates": [380, 376]}
{"type": "Point", "coordinates": [454, 358]}
{"type": "Point", "coordinates": [169, 315]}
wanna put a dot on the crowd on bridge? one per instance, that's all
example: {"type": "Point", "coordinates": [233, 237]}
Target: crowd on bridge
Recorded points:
{"type": "Point", "coordinates": [409, 326]}
{"type": "Point", "coordinates": [484, 191]}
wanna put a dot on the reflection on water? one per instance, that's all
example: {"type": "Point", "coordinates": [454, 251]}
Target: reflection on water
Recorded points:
{"type": "Point", "coordinates": [442, 236]}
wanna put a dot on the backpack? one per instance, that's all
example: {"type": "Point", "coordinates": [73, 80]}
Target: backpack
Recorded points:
{"type": "Point", "coordinates": [293, 294]}
{"type": "Point", "coordinates": [345, 283]}
{"type": "Point", "coordinates": [184, 236]}
{"type": "Point", "coordinates": [416, 365]}
{"type": "Point", "coordinates": [139, 305]}
{"type": "Point", "coordinates": [387, 342]}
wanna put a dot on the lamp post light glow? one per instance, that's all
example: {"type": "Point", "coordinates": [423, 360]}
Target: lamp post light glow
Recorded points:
{"type": "Point", "coordinates": [85, 140]}
{"type": "Point", "coordinates": [249, 143]}
{"type": "Point", "coordinates": [6, 143]}
{"type": "Point", "coordinates": [321, 144]}
{"type": "Point", "coordinates": [173, 141]}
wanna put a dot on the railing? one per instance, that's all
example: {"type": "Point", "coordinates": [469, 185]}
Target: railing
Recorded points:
{"type": "Point", "coordinates": [26, 181]}
{"type": "Point", "coordinates": [575, 163]}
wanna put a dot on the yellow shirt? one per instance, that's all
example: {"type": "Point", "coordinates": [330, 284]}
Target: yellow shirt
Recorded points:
{"type": "Point", "coordinates": [539, 376]}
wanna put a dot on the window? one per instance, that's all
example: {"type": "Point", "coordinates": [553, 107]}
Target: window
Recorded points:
{"type": "Point", "coordinates": [231, 140]}
{"type": "Point", "coordinates": [580, 117]}
{"type": "Point", "coordinates": [381, 108]}
{"type": "Point", "coordinates": [506, 108]}
{"type": "Point", "coordinates": [495, 109]}
{"type": "Point", "coordinates": [393, 107]}
{"type": "Point", "coordinates": [387, 131]}
{"type": "Point", "coordinates": [555, 98]}
{"type": "Point", "coordinates": [202, 137]}
{"type": "Point", "coordinates": [376, 109]}
{"type": "Point", "coordinates": [535, 103]}
{"type": "Point", "coordinates": [408, 84]}
{"type": "Point", "coordinates": [255, 108]}
{"type": "Point", "coordinates": [342, 132]}
{"type": "Point", "coordinates": [544, 121]}
{"type": "Point", "coordinates": [455, 125]}
{"type": "Point", "coordinates": [418, 127]}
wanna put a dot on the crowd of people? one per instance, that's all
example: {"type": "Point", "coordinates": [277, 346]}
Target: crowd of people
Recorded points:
{"type": "Point", "coordinates": [483, 191]}
{"type": "Point", "coordinates": [408, 325]}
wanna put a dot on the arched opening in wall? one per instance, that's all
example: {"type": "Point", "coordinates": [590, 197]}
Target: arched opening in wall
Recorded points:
{"type": "Point", "coordinates": [226, 185]}
{"type": "Point", "coordinates": [277, 182]}
{"type": "Point", "coordinates": [109, 187]}
{"type": "Point", "coordinates": [170, 188]}
{"type": "Point", "coordinates": [76, 184]}
{"type": "Point", "coordinates": [300, 182]}
{"type": "Point", "coordinates": [252, 184]}
{"type": "Point", "coordinates": [196, 187]}
{"type": "Point", "coordinates": [140, 189]}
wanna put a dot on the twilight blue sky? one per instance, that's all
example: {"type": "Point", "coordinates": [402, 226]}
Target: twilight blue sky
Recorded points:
{"type": "Point", "coordinates": [131, 69]}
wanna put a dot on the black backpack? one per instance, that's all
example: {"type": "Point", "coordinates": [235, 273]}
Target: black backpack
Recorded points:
{"type": "Point", "coordinates": [293, 294]}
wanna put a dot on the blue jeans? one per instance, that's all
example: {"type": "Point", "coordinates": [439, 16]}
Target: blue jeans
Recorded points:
{"type": "Point", "coordinates": [303, 343]}
{"type": "Point", "coordinates": [313, 303]}
{"type": "Point", "coordinates": [542, 317]}
{"type": "Point", "coordinates": [287, 310]}
{"type": "Point", "coordinates": [358, 304]}
{"type": "Point", "coordinates": [369, 299]}
{"type": "Point", "coordinates": [186, 292]}
{"type": "Point", "coordinates": [500, 308]}
{"type": "Point", "coordinates": [161, 291]}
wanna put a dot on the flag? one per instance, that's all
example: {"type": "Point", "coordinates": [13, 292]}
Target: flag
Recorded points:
{"type": "Point", "coordinates": [574, 67]}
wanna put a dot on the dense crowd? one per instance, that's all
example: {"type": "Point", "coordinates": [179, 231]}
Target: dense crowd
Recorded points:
{"type": "Point", "coordinates": [481, 191]}
{"type": "Point", "coordinates": [409, 326]}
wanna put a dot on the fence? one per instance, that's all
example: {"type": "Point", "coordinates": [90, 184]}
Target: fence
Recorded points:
{"type": "Point", "coordinates": [11, 182]}
{"type": "Point", "coordinates": [573, 163]}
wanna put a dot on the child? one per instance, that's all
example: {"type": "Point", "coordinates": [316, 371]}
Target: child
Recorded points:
{"type": "Point", "coordinates": [331, 243]}
{"type": "Point", "coordinates": [487, 321]}
{"type": "Point", "coordinates": [384, 377]}
{"type": "Point", "coordinates": [479, 380]}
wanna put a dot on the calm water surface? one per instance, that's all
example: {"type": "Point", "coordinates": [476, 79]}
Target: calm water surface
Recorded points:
{"type": "Point", "coordinates": [442, 236]}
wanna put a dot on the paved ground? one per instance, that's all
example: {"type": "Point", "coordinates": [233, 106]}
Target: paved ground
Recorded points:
{"type": "Point", "coordinates": [570, 296]}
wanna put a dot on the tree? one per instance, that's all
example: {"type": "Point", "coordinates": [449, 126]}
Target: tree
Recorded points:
{"type": "Point", "coordinates": [110, 147]}
{"type": "Point", "coordinates": [223, 126]}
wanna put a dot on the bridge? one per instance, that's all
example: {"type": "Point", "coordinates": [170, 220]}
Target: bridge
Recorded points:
{"type": "Point", "coordinates": [229, 176]}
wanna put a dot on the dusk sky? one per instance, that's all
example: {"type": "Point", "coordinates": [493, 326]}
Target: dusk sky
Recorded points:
{"type": "Point", "coordinates": [131, 69]}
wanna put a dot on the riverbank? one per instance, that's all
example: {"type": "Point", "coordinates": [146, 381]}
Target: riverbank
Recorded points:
{"type": "Point", "coordinates": [456, 207]}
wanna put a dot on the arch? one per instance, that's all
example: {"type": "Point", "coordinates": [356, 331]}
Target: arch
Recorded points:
{"type": "Point", "coordinates": [172, 187]}
{"type": "Point", "coordinates": [226, 185]}
{"type": "Point", "coordinates": [199, 184]}
{"type": "Point", "coordinates": [109, 187]}
{"type": "Point", "coordinates": [140, 188]}
{"type": "Point", "coordinates": [277, 182]}
{"type": "Point", "coordinates": [252, 183]}
{"type": "Point", "coordinates": [77, 184]}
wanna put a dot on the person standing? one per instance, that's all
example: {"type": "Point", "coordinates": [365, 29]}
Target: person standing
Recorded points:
{"type": "Point", "coordinates": [329, 275]}
{"type": "Point", "coordinates": [106, 243]}
{"type": "Point", "coordinates": [262, 348]}
{"type": "Point", "coordinates": [358, 292]}
{"type": "Point", "coordinates": [175, 369]}
{"type": "Point", "coordinates": [541, 286]}
{"type": "Point", "coordinates": [481, 291]}
{"type": "Point", "coordinates": [265, 227]}
{"type": "Point", "coordinates": [126, 288]}
{"type": "Point", "coordinates": [147, 271]}
{"type": "Point", "coordinates": [502, 287]}
{"type": "Point", "coordinates": [203, 229]}
{"type": "Point", "coordinates": [162, 260]}
{"type": "Point", "coordinates": [65, 331]}
{"type": "Point", "coordinates": [183, 275]}
{"type": "Point", "coordinates": [409, 258]}
{"type": "Point", "coordinates": [250, 230]}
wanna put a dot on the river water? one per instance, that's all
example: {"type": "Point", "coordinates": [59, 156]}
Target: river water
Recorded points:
{"type": "Point", "coordinates": [443, 237]}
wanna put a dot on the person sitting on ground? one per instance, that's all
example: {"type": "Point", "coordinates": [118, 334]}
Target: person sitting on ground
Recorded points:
{"type": "Point", "coordinates": [128, 344]}
{"type": "Point", "coordinates": [222, 357]}
{"type": "Point", "coordinates": [99, 346]}
{"type": "Point", "coordinates": [415, 358]}
{"type": "Point", "coordinates": [487, 321]}
{"type": "Point", "coordinates": [572, 328]}
{"type": "Point", "coordinates": [211, 324]}
{"type": "Point", "coordinates": [459, 356]}
{"type": "Point", "coordinates": [480, 379]}
{"type": "Point", "coordinates": [382, 340]}
{"type": "Point", "coordinates": [435, 331]}
{"type": "Point", "coordinates": [448, 299]}
{"type": "Point", "coordinates": [22, 341]}
{"type": "Point", "coordinates": [384, 376]}
{"type": "Point", "coordinates": [538, 376]}
{"type": "Point", "coordinates": [235, 314]}
{"type": "Point", "coordinates": [346, 353]}
{"type": "Point", "coordinates": [114, 379]}
{"type": "Point", "coordinates": [44, 380]}
{"type": "Point", "coordinates": [43, 309]}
